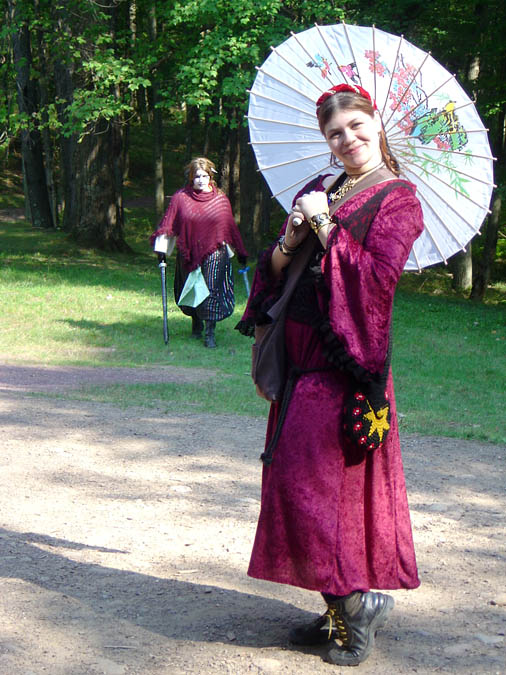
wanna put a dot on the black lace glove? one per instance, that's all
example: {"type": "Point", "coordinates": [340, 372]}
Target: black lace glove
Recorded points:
{"type": "Point", "coordinates": [242, 259]}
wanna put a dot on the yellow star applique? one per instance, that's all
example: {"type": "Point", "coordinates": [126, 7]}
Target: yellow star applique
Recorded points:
{"type": "Point", "coordinates": [378, 422]}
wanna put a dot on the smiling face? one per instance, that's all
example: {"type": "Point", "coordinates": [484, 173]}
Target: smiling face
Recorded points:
{"type": "Point", "coordinates": [353, 138]}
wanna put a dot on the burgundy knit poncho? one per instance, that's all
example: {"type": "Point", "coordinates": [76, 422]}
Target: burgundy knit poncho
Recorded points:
{"type": "Point", "coordinates": [202, 222]}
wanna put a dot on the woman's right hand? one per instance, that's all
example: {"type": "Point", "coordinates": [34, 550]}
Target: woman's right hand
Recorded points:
{"type": "Point", "coordinates": [312, 203]}
{"type": "Point", "coordinates": [296, 232]}
{"type": "Point", "coordinates": [294, 236]}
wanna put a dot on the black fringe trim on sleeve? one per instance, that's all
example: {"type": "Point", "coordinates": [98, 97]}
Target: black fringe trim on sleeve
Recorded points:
{"type": "Point", "coordinates": [333, 348]}
{"type": "Point", "coordinates": [372, 383]}
{"type": "Point", "coordinates": [334, 351]}
{"type": "Point", "coordinates": [246, 328]}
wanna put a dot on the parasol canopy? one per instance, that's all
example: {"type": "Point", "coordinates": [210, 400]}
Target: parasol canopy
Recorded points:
{"type": "Point", "coordinates": [431, 124]}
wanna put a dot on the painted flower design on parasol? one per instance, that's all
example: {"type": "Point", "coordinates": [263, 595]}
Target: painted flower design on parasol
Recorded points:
{"type": "Point", "coordinates": [440, 126]}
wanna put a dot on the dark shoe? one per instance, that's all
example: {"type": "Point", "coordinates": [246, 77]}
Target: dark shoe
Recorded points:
{"type": "Point", "coordinates": [357, 629]}
{"type": "Point", "coordinates": [209, 340]}
{"type": "Point", "coordinates": [197, 327]}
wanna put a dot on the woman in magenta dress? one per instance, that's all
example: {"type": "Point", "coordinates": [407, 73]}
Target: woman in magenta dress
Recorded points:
{"type": "Point", "coordinates": [201, 218]}
{"type": "Point", "coordinates": [334, 517]}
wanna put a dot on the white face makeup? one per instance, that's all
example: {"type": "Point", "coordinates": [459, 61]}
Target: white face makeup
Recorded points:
{"type": "Point", "coordinates": [353, 137]}
{"type": "Point", "coordinates": [201, 181]}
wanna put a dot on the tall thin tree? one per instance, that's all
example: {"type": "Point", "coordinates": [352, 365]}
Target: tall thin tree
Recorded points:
{"type": "Point", "coordinates": [28, 103]}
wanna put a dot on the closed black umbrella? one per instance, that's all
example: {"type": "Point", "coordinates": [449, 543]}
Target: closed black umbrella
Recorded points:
{"type": "Point", "coordinates": [162, 264]}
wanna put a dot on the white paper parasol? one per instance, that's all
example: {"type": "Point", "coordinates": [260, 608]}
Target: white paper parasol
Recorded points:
{"type": "Point", "coordinates": [431, 124]}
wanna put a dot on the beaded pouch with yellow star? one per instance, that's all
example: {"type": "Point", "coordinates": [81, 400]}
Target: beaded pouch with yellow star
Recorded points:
{"type": "Point", "coordinates": [365, 427]}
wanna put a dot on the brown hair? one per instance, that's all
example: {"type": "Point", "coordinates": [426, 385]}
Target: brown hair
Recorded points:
{"type": "Point", "coordinates": [200, 163]}
{"type": "Point", "coordinates": [346, 100]}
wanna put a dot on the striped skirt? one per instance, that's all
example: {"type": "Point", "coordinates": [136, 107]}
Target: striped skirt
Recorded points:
{"type": "Point", "coordinates": [217, 271]}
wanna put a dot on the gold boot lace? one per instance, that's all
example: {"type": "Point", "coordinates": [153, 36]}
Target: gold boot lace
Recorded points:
{"type": "Point", "coordinates": [336, 621]}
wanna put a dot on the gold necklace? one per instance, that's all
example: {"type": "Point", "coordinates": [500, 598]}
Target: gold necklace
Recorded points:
{"type": "Point", "coordinates": [341, 191]}
{"type": "Point", "coordinates": [350, 183]}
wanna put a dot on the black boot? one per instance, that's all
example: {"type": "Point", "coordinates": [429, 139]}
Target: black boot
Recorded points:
{"type": "Point", "coordinates": [209, 340]}
{"type": "Point", "coordinates": [197, 327]}
{"type": "Point", "coordinates": [357, 619]}
{"type": "Point", "coordinates": [344, 617]}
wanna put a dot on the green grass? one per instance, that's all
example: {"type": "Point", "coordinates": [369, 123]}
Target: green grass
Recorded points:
{"type": "Point", "coordinates": [449, 365]}
{"type": "Point", "coordinates": [62, 305]}
{"type": "Point", "coordinates": [65, 306]}
{"type": "Point", "coordinates": [437, 281]}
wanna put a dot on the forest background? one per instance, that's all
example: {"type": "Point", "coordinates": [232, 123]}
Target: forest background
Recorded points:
{"type": "Point", "coordinates": [81, 78]}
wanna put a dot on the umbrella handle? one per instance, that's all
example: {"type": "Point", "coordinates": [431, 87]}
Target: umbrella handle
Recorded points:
{"type": "Point", "coordinates": [244, 272]}
{"type": "Point", "coordinates": [162, 265]}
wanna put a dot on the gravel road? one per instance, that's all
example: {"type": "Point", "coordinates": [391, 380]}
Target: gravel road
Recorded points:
{"type": "Point", "coordinates": [125, 537]}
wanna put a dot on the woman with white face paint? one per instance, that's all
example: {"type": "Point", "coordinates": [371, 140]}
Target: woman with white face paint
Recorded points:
{"type": "Point", "coordinates": [201, 218]}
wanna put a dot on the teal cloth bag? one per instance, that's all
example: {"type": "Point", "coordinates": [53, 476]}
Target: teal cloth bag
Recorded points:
{"type": "Point", "coordinates": [195, 289]}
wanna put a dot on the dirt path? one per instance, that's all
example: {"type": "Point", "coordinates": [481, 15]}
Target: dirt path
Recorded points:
{"type": "Point", "coordinates": [125, 538]}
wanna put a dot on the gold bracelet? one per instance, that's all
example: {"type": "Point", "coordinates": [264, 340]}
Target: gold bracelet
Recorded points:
{"type": "Point", "coordinates": [318, 221]}
{"type": "Point", "coordinates": [290, 251]}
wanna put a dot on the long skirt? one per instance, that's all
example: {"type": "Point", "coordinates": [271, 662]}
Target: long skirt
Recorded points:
{"type": "Point", "coordinates": [333, 519]}
{"type": "Point", "coordinates": [217, 271]}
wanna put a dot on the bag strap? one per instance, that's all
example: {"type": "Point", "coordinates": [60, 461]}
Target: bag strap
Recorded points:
{"type": "Point", "coordinates": [302, 258]}
{"type": "Point", "coordinates": [294, 273]}
{"type": "Point", "coordinates": [300, 261]}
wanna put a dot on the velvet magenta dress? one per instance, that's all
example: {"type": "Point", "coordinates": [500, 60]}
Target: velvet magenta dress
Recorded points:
{"type": "Point", "coordinates": [334, 518]}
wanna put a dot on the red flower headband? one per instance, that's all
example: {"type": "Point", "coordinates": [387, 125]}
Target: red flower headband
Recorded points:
{"type": "Point", "coordinates": [353, 88]}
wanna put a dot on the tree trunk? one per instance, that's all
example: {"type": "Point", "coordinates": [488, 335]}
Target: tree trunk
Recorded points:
{"type": "Point", "coordinates": [157, 128]}
{"type": "Point", "coordinates": [64, 88]}
{"type": "Point", "coordinates": [207, 136]}
{"type": "Point", "coordinates": [235, 172]}
{"type": "Point", "coordinates": [254, 199]}
{"type": "Point", "coordinates": [461, 265]}
{"type": "Point", "coordinates": [31, 142]}
{"type": "Point", "coordinates": [131, 19]}
{"type": "Point", "coordinates": [47, 141]}
{"type": "Point", "coordinates": [92, 168]}
{"type": "Point", "coordinates": [482, 278]}
{"type": "Point", "coordinates": [99, 208]}
{"type": "Point", "coordinates": [230, 165]}
{"type": "Point", "coordinates": [225, 161]}
{"type": "Point", "coordinates": [192, 122]}
{"type": "Point", "coordinates": [158, 158]}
